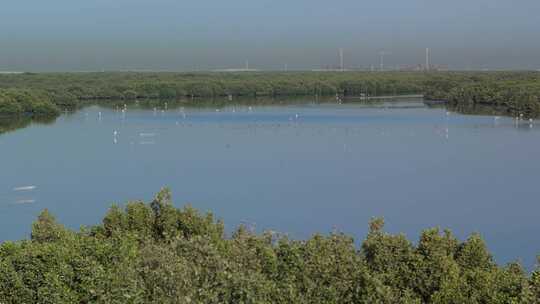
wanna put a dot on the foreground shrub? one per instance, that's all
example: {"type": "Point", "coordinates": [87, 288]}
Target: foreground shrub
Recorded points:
{"type": "Point", "coordinates": [156, 253]}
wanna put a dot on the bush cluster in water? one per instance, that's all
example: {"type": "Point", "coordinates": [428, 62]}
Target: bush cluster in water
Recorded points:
{"type": "Point", "coordinates": [511, 92]}
{"type": "Point", "coordinates": [155, 253]}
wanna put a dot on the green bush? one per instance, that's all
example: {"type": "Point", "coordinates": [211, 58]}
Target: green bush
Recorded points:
{"type": "Point", "coordinates": [18, 102]}
{"type": "Point", "coordinates": [9, 107]}
{"type": "Point", "coordinates": [130, 94]}
{"type": "Point", "coordinates": [156, 253]}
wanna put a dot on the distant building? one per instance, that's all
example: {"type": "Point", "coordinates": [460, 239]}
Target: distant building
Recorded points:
{"type": "Point", "coordinates": [422, 67]}
{"type": "Point", "coordinates": [330, 70]}
{"type": "Point", "coordinates": [236, 70]}
{"type": "Point", "coordinates": [411, 67]}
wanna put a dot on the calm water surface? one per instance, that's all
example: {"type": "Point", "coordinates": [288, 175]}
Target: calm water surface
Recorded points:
{"type": "Point", "coordinates": [299, 169]}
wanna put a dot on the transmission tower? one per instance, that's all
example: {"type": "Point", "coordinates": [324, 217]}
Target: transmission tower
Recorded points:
{"type": "Point", "coordinates": [341, 67]}
{"type": "Point", "coordinates": [428, 59]}
{"type": "Point", "coordinates": [381, 58]}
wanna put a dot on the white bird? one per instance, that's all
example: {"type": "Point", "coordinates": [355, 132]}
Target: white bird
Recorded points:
{"type": "Point", "coordinates": [147, 134]}
{"type": "Point", "coordinates": [24, 188]}
{"type": "Point", "coordinates": [25, 201]}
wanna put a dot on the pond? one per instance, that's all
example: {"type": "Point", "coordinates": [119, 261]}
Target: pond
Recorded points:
{"type": "Point", "coordinates": [297, 168]}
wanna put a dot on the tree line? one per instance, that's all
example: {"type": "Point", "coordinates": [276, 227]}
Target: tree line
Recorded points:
{"type": "Point", "coordinates": [36, 93]}
{"type": "Point", "coordinates": [156, 253]}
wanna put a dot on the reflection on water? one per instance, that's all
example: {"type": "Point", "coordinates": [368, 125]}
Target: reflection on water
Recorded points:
{"type": "Point", "coordinates": [160, 106]}
{"type": "Point", "coordinates": [478, 109]}
{"type": "Point", "coordinates": [299, 167]}
{"type": "Point", "coordinates": [8, 124]}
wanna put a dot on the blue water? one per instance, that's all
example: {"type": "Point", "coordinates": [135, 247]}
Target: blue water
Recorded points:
{"type": "Point", "coordinates": [298, 169]}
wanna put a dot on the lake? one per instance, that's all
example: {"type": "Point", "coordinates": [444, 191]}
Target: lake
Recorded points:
{"type": "Point", "coordinates": [298, 168]}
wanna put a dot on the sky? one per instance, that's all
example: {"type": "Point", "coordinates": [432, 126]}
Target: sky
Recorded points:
{"type": "Point", "coordinates": [177, 35]}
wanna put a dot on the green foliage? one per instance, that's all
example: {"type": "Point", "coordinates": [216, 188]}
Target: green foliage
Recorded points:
{"type": "Point", "coordinates": [20, 101]}
{"type": "Point", "coordinates": [507, 93]}
{"type": "Point", "coordinates": [156, 253]}
{"type": "Point", "coordinates": [130, 94]}
{"type": "Point", "coordinates": [46, 229]}
{"type": "Point", "coordinates": [535, 282]}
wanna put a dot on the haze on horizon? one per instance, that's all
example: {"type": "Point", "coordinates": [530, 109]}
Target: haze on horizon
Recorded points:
{"type": "Point", "coordinates": [173, 35]}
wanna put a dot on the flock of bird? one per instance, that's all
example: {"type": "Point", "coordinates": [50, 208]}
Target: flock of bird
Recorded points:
{"type": "Point", "coordinates": [517, 119]}
{"type": "Point", "coordinates": [146, 137]}
{"type": "Point", "coordinates": [24, 195]}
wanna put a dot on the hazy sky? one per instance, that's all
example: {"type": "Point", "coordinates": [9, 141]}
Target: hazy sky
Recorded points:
{"type": "Point", "coordinates": [58, 35]}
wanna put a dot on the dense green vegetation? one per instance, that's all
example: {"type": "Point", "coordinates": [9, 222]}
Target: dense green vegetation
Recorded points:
{"type": "Point", "coordinates": [171, 85]}
{"type": "Point", "coordinates": [507, 93]}
{"type": "Point", "coordinates": [511, 92]}
{"type": "Point", "coordinates": [15, 102]}
{"type": "Point", "coordinates": [155, 253]}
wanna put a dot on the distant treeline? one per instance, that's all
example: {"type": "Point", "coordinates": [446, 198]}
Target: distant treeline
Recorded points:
{"type": "Point", "coordinates": [508, 93]}
{"type": "Point", "coordinates": [155, 253]}
{"type": "Point", "coordinates": [515, 92]}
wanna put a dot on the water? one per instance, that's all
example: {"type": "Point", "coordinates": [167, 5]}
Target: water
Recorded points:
{"type": "Point", "coordinates": [300, 169]}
